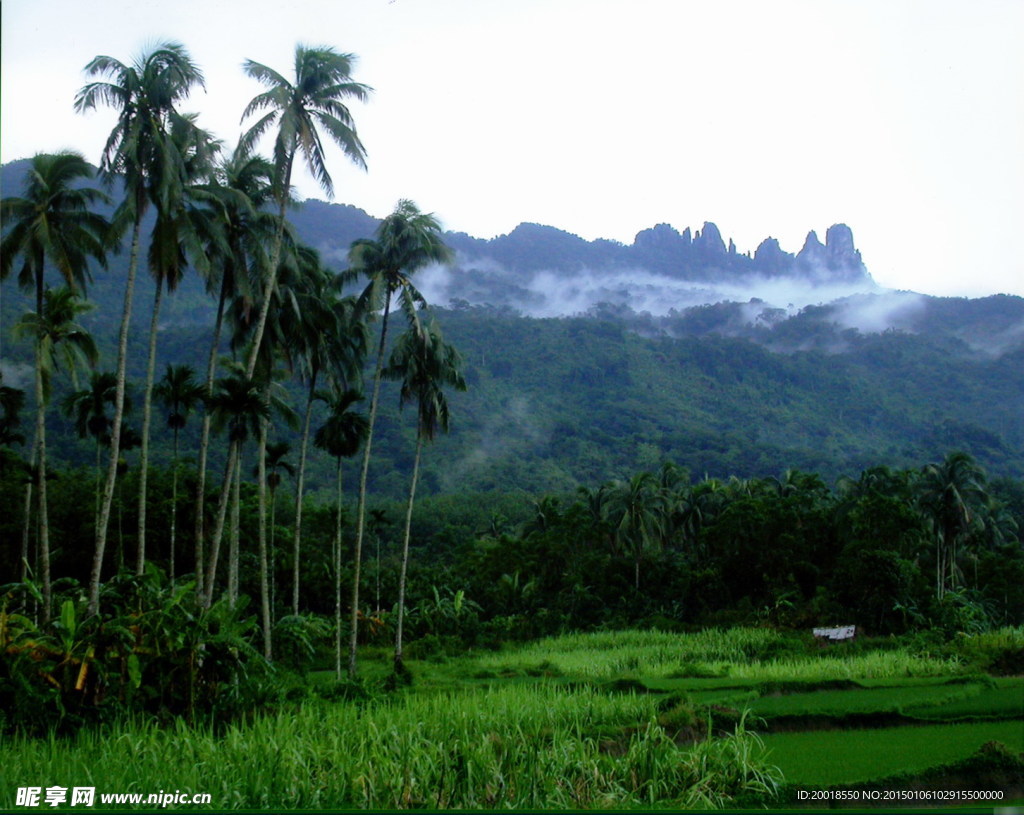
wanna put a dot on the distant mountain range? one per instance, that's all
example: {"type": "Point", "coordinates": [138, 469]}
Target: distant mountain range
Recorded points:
{"type": "Point", "coordinates": [543, 271]}
{"type": "Point", "coordinates": [589, 359]}
{"type": "Point", "coordinates": [683, 283]}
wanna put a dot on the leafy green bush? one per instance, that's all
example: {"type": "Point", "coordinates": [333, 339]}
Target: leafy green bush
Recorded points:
{"type": "Point", "coordinates": [296, 638]}
{"type": "Point", "coordinates": [151, 649]}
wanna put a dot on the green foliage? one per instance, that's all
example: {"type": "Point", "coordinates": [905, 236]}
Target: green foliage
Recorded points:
{"type": "Point", "coordinates": [518, 747]}
{"type": "Point", "coordinates": [151, 649]}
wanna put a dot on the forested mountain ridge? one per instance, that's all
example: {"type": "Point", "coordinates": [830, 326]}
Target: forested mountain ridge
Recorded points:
{"type": "Point", "coordinates": [725, 387]}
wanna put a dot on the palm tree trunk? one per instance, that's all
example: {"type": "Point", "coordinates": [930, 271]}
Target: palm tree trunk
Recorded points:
{"type": "Point", "coordinates": [204, 444]}
{"type": "Point", "coordinates": [115, 434]}
{"type": "Point", "coordinates": [234, 553]}
{"type": "Point", "coordinates": [261, 467]}
{"type": "Point", "coordinates": [40, 444]}
{"type": "Point", "coordinates": [99, 469]}
{"type": "Point", "coordinates": [26, 529]}
{"type": "Point", "coordinates": [361, 509]}
{"type": "Point", "coordinates": [336, 553]}
{"type": "Point", "coordinates": [174, 502]}
{"type": "Point", "coordinates": [218, 529]}
{"type": "Point", "coordinates": [44, 520]}
{"type": "Point", "coordinates": [399, 665]}
{"type": "Point", "coordinates": [272, 553]}
{"type": "Point", "coordinates": [147, 410]}
{"type": "Point", "coordinates": [271, 282]}
{"type": "Point", "coordinates": [299, 486]}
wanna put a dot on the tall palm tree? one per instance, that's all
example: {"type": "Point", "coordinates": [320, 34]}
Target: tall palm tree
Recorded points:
{"type": "Point", "coordinates": [952, 495]}
{"type": "Point", "coordinates": [241, 186]}
{"type": "Point", "coordinates": [237, 404]}
{"type": "Point", "coordinates": [405, 241]}
{"type": "Point", "coordinates": [425, 363]}
{"type": "Point", "coordinates": [140, 152]}
{"type": "Point", "coordinates": [340, 436]}
{"type": "Point", "coordinates": [89, 409]}
{"type": "Point", "coordinates": [52, 222]}
{"type": "Point", "coordinates": [180, 394]}
{"type": "Point", "coordinates": [299, 110]}
{"type": "Point", "coordinates": [331, 337]}
{"type": "Point", "coordinates": [57, 335]}
{"type": "Point", "coordinates": [285, 315]}
{"type": "Point", "coordinates": [181, 232]}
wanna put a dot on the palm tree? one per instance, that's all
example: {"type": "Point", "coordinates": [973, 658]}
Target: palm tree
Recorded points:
{"type": "Point", "coordinates": [952, 495]}
{"type": "Point", "coordinates": [425, 363]}
{"type": "Point", "coordinates": [56, 334]}
{"type": "Point", "coordinates": [275, 464]}
{"type": "Point", "coordinates": [140, 151]}
{"type": "Point", "coordinates": [406, 241]}
{"type": "Point", "coordinates": [323, 79]}
{"type": "Point", "coordinates": [286, 314]}
{"type": "Point", "coordinates": [88, 408]}
{"type": "Point", "coordinates": [179, 393]}
{"type": "Point", "coordinates": [331, 336]}
{"type": "Point", "coordinates": [634, 510]}
{"type": "Point", "coordinates": [236, 404]}
{"type": "Point", "coordinates": [52, 222]}
{"type": "Point", "coordinates": [340, 436]}
{"type": "Point", "coordinates": [236, 195]}
{"type": "Point", "coordinates": [181, 232]}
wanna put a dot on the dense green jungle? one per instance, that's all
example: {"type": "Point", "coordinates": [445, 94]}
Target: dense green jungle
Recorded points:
{"type": "Point", "coordinates": [251, 480]}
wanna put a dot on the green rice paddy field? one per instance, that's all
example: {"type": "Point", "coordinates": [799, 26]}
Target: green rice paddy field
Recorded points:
{"type": "Point", "coordinates": [736, 718]}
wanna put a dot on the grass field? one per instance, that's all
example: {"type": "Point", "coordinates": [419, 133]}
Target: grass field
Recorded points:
{"type": "Point", "coordinates": [605, 720]}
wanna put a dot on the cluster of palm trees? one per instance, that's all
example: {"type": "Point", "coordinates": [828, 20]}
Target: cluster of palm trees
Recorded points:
{"type": "Point", "coordinates": [652, 511]}
{"type": "Point", "coordinates": [224, 215]}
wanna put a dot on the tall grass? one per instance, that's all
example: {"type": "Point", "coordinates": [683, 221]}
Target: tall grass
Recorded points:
{"type": "Point", "coordinates": [513, 747]}
{"type": "Point", "coordinates": [741, 653]}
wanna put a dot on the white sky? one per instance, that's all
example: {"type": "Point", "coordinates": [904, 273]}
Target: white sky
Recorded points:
{"type": "Point", "coordinates": [901, 118]}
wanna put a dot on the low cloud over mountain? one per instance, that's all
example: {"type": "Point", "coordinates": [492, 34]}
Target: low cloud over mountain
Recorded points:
{"type": "Point", "coordinates": [688, 283]}
{"type": "Point", "coordinates": [542, 271]}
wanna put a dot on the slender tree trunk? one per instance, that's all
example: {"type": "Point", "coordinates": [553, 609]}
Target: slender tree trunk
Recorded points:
{"type": "Point", "coordinates": [26, 529]}
{"type": "Point", "coordinates": [261, 468]}
{"type": "Point", "coordinates": [271, 281]}
{"type": "Point", "coordinates": [234, 546]}
{"type": "Point", "coordinates": [218, 530]}
{"type": "Point", "coordinates": [204, 444]}
{"type": "Point", "coordinates": [399, 664]}
{"type": "Point", "coordinates": [44, 519]}
{"type": "Point", "coordinates": [174, 503]}
{"type": "Point", "coordinates": [147, 411]}
{"type": "Point", "coordinates": [361, 509]}
{"type": "Point", "coordinates": [299, 486]}
{"type": "Point", "coordinates": [99, 469]}
{"type": "Point", "coordinates": [336, 552]}
{"type": "Point", "coordinates": [115, 435]}
{"type": "Point", "coordinates": [272, 554]}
